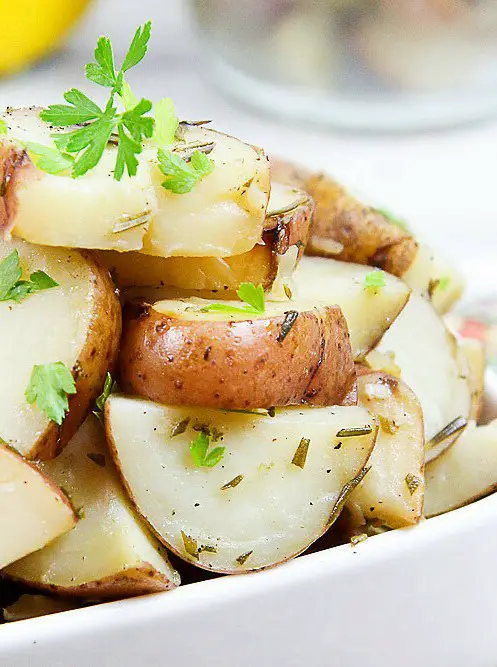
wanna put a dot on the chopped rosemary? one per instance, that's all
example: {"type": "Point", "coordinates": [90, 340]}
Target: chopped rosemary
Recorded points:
{"type": "Point", "coordinates": [130, 221]}
{"type": "Point", "coordinates": [241, 560]}
{"type": "Point", "coordinates": [412, 482]}
{"type": "Point", "coordinates": [451, 429]}
{"type": "Point", "coordinates": [287, 324]}
{"type": "Point", "coordinates": [180, 427]}
{"type": "Point", "coordinates": [354, 432]}
{"type": "Point", "coordinates": [300, 455]}
{"type": "Point", "coordinates": [234, 482]}
{"type": "Point", "coordinates": [344, 494]}
{"type": "Point", "coordinates": [191, 547]}
{"type": "Point", "coordinates": [207, 548]}
{"type": "Point", "coordinates": [388, 425]}
{"type": "Point", "coordinates": [288, 291]}
{"type": "Point", "coordinates": [187, 150]}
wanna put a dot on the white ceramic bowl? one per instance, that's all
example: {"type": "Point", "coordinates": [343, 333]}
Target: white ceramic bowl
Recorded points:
{"type": "Point", "coordinates": [420, 596]}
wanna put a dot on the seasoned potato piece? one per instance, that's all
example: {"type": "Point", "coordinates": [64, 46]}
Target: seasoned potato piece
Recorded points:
{"type": "Point", "coordinates": [109, 553]}
{"type": "Point", "coordinates": [392, 492]}
{"type": "Point", "coordinates": [433, 366]}
{"type": "Point", "coordinates": [348, 230]}
{"type": "Point", "coordinates": [33, 511]}
{"type": "Point", "coordinates": [465, 472]}
{"type": "Point", "coordinates": [176, 354]}
{"type": "Point", "coordinates": [77, 323]}
{"type": "Point", "coordinates": [32, 606]}
{"type": "Point", "coordinates": [286, 226]}
{"type": "Point", "coordinates": [222, 215]}
{"type": "Point", "coordinates": [299, 464]}
{"type": "Point", "coordinates": [369, 312]}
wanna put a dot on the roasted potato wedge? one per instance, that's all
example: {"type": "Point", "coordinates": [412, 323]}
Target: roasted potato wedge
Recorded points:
{"type": "Point", "coordinates": [33, 511]}
{"type": "Point", "coordinates": [77, 323]}
{"type": "Point", "coordinates": [176, 354]}
{"type": "Point", "coordinates": [465, 472]}
{"type": "Point", "coordinates": [223, 214]}
{"type": "Point", "coordinates": [392, 492]}
{"type": "Point", "coordinates": [300, 465]}
{"type": "Point", "coordinates": [369, 312]}
{"type": "Point", "coordinates": [109, 553]}
{"type": "Point", "coordinates": [433, 366]}
{"type": "Point", "coordinates": [286, 227]}
{"type": "Point", "coordinates": [346, 229]}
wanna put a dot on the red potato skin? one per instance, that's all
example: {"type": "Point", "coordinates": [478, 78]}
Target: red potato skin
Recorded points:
{"type": "Point", "coordinates": [15, 168]}
{"type": "Point", "coordinates": [237, 365]}
{"type": "Point", "coordinates": [366, 235]}
{"type": "Point", "coordinates": [98, 356]}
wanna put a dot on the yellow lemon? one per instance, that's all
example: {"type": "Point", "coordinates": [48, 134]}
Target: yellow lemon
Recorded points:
{"type": "Point", "coordinates": [29, 29]}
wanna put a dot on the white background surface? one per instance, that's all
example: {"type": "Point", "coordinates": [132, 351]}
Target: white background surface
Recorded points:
{"type": "Point", "coordinates": [443, 183]}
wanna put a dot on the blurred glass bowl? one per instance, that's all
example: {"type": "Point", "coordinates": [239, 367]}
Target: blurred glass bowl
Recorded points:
{"type": "Point", "coordinates": [369, 64]}
{"type": "Point", "coordinates": [30, 29]}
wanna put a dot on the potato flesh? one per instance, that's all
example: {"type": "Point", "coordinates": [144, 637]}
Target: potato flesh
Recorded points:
{"type": "Point", "coordinates": [317, 283]}
{"type": "Point", "coordinates": [369, 313]}
{"type": "Point", "coordinates": [384, 494]}
{"type": "Point", "coordinates": [464, 472]}
{"type": "Point", "coordinates": [293, 505]}
{"type": "Point", "coordinates": [109, 541]}
{"type": "Point", "coordinates": [33, 511]}
{"type": "Point", "coordinates": [435, 278]}
{"type": "Point", "coordinates": [46, 327]}
{"type": "Point", "coordinates": [432, 365]}
{"type": "Point", "coordinates": [223, 215]}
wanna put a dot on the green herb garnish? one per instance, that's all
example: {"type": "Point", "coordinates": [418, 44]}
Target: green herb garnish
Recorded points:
{"type": "Point", "coordinates": [180, 427]}
{"type": "Point", "coordinates": [198, 450]}
{"type": "Point", "coordinates": [241, 560]}
{"type": "Point", "coordinates": [166, 123]}
{"type": "Point", "coordinates": [253, 297]}
{"type": "Point", "coordinates": [412, 482]}
{"type": "Point", "coordinates": [344, 494]}
{"type": "Point", "coordinates": [448, 431]}
{"type": "Point", "coordinates": [50, 160]}
{"type": "Point", "coordinates": [300, 455]}
{"type": "Point", "coordinates": [374, 279]}
{"type": "Point", "coordinates": [49, 387]}
{"type": "Point", "coordinates": [234, 482]}
{"type": "Point", "coordinates": [190, 544]}
{"type": "Point", "coordinates": [109, 388]}
{"type": "Point", "coordinates": [354, 432]}
{"type": "Point", "coordinates": [3, 127]}
{"type": "Point", "coordinates": [181, 175]}
{"type": "Point", "coordinates": [12, 288]}
{"type": "Point", "coordinates": [88, 143]}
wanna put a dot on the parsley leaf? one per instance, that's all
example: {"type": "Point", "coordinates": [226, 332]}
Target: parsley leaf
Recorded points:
{"type": "Point", "coordinates": [248, 292]}
{"type": "Point", "coordinates": [12, 288]}
{"type": "Point", "coordinates": [181, 175]}
{"type": "Point", "coordinates": [3, 126]}
{"type": "Point", "coordinates": [128, 98]}
{"type": "Point", "coordinates": [166, 122]}
{"type": "Point", "coordinates": [109, 388]}
{"type": "Point", "coordinates": [198, 450]}
{"type": "Point", "coordinates": [79, 110]}
{"type": "Point", "coordinates": [103, 72]}
{"type": "Point", "coordinates": [374, 279]}
{"type": "Point", "coordinates": [50, 160]}
{"type": "Point", "coordinates": [138, 47]}
{"type": "Point", "coordinates": [49, 387]}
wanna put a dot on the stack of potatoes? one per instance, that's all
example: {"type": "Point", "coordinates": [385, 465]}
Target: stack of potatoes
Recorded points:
{"type": "Point", "coordinates": [239, 428]}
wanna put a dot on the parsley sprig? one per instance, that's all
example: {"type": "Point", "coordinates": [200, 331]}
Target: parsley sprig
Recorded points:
{"type": "Point", "coordinates": [12, 288]}
{"type": "Point", "coordinates": [49, 387]}
{"type": "Point", "coordinates": [252, 296]}
{"type": "Point", "coordinates": [198, 450]}
{"type": "Point", "coordinates": [88, 143]}
{"type": "Point", "coordinates": [181, 175]}
{"type": "Point", "coordinates": [3, 127]}
{"type": "Point", "coordinates": [109, 388]}
{"type": "Point", "coordinates": [374, 280]}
